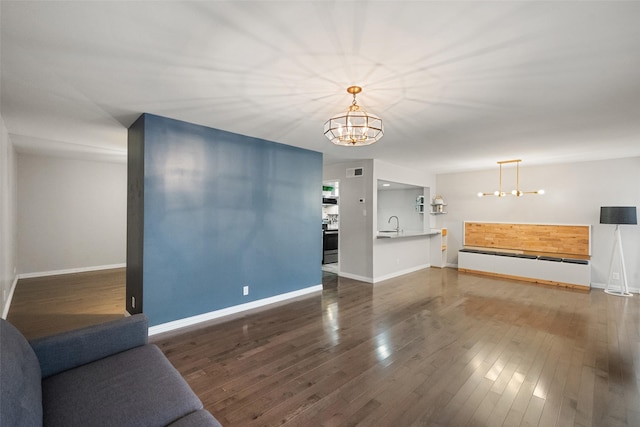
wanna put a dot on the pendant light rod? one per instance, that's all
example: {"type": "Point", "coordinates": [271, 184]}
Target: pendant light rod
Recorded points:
{"type": "Point", "coordinates": [501, 193]}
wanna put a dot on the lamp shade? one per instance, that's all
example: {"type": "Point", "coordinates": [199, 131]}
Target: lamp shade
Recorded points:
{"type": "Point", "coordinates": [618, 215]}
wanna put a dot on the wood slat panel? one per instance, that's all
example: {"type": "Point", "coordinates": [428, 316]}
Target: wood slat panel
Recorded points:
{"type": "Point", "coordinates": [541, 238]}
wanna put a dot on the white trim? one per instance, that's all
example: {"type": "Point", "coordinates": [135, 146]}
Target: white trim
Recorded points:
{"type": "Point", "coordinates": [7, 303]}
{"type": "Point", "coordinates": [189, 321]}
{"type": "Point", "coordinates": [355, 277]}
{"type": "Point", "coordinates": [595, 285]}
{"type": "Point", "coordinates": [527, 269]}
{"type": "Point", "coordinates": [70, 271]}
{"type": "Point", "coordinates": [401, 273]}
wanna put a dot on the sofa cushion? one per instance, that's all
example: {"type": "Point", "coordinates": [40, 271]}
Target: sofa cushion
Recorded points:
{"type": "Point", "coordinates": [70, 349]}
{"type": "Point", "coordinates": [20, 393]}
{"type": "Point", "coordinates": [133, 388]}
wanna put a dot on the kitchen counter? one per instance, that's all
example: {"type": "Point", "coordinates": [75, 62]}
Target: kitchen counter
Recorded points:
{"type": "Point", "coordinates": [402, 234]}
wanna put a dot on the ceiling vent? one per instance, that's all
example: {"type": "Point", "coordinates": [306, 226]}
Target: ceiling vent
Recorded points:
{"type": "Point", "coordinates": [355, 172]}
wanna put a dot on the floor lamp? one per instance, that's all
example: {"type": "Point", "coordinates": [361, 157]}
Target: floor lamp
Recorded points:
{"type": "Point", "coordinates": [618, 215]}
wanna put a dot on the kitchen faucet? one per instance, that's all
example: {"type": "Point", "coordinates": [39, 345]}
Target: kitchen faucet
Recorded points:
{"type": "Point", "coordinates": [397, 222]}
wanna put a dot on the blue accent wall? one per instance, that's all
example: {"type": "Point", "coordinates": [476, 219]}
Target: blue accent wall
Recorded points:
{"type": "Point", "coordinates": [223, 211]}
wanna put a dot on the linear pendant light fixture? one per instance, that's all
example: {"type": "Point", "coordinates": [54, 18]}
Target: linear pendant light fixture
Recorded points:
{"type": "Point", "coordinates": [354, 127]}
{"type": "Point", "coordinates": [516, 192]}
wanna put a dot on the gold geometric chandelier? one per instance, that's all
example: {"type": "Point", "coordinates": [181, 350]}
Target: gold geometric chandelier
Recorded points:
{"type": "Point", "coordinates": [516, 192]}
{"type": "Point", "coordinates": [354, 127]}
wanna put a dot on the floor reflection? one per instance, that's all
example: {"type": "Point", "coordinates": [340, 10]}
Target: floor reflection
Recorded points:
{"type": "Point", "coordinates": [525, 313]}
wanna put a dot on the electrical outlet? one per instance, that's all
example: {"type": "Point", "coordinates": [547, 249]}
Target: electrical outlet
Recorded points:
{"type": "Point", "coordinates": [133, 302]}
{"type": "Point", "coordinates": [616, 276]}
{"type": "Point", "coordinates": [245, 290]}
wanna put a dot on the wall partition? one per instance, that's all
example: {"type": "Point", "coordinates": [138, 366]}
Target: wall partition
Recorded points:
{"type": "Point", "coordinates": [217, 219]}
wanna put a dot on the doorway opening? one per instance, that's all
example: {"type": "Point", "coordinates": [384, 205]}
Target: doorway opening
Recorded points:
{"type": "Point", "coordinates": [330, 226]}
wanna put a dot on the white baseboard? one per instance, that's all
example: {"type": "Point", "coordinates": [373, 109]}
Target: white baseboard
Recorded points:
{"type": "Point", "coordinates": [401, 273]}
{"type": "Point", "coordinates": [604, 286]}
{"type": "Point", "coordinates": [193, 320]}
{"type": "Point", "coordinates": [69, 271]}
{"type": "Point", "coordinates": [7, 303]}
{"type": "Point", "coordinates": [355, 277]}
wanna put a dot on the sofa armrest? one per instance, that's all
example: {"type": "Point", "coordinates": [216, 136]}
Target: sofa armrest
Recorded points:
{"type": "Point", "coordinates": [67, 350]}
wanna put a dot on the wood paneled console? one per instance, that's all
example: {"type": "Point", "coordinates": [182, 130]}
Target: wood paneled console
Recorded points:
{"type": "Point", "coordinates": [541, 253]}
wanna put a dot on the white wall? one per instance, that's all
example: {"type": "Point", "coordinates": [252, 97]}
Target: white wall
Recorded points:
{"type": "Point", "coordinates": [574, 194]}
{"type": "Point", "coordinates": [394, 257]}
{"type": "Point", "coordinates": [8, 203]}
{"type": "Point", "coordinates": [8, 214]}
{"type": "Point", "coordinates": [401, 203]}
{"type": "Point", "coordinates": [356, 219]}
{"type": "Point", "coordinates": [71, 214]}
{"type": "Point", "coordinates": [361, 255]}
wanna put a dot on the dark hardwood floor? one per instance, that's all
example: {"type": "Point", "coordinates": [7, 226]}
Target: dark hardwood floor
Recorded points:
{"type": "Point", "coordinates": [432, 348]}
{"type": "Point", "coordinates": [45, 305]}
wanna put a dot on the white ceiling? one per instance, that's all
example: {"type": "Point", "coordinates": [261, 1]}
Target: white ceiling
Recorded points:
{"type": "Point", "coordinates": [459, 85]}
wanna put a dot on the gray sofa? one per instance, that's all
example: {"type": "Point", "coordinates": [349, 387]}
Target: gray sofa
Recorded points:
{"type": "Point", "coordinates": [103, 375]}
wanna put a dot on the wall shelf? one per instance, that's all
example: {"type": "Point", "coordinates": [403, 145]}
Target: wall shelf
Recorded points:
{"type": "Point", "coordinates": [420, 204]}
{"type": "Point", "coordinates": [438, 208]}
